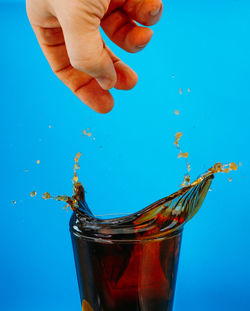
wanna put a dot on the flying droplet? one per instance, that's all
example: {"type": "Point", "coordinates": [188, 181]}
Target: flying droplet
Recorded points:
{"type": "Point", "coordinates": [86, 133]}
{"type": "Point", "coordinates": [183, 155]}
{"type": "Point", "coordinates": [33, 194]}
{"type": "Point", "coordinates": [233, 166]}
{"type": "Point", "coordinates": [46, 196]}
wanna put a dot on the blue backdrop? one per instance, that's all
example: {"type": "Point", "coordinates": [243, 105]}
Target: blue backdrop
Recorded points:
{"type": "Point", "coordinates": [201, 45]}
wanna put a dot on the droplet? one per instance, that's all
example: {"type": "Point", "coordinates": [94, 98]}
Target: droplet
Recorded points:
{"type": "Point", "coordinates": [25, 171]}
{"type": "Point", "coordinates": [46, 196]}
{"type": "Point", "coordinates": [230, 179]}
{"type": "Point", "coordinates": [33, 194]}
{"type": "Point", "coordinates": [177, 112]}
{"type": "Point", "coordinates": [189, 90]}
{"type": "Point", "coordinates": [233, 166]}
{"type": "Point", "coordinates": [177, 138]}
{"type": "Point", "coordinates": [240, 164]}
{"type": "Point", "coordinates": [86, 133]}
{"type": "Point", "coordinates": [183, 155]}
{"type": "Point", "coordinates": [50, 126]}
{"type": "Point", "coordinates": [77, 156]}
{"type": "Point", "coordinates": [180, 91]}
{"type": "Point", "coordinates": [13, 202]}
{"type": "Point", "coordinates": [38, 161]}
{"type": "Point", "coordinates": [186, 181]}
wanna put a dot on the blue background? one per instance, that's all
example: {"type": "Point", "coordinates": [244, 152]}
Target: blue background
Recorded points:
{"type": "Point", "coordinates": [133, 161]}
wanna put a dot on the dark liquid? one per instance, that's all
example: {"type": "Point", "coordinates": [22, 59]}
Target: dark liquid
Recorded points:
{"type": "Point", "coordinates": [126, 277]}
{"type": "Point", "coordinates": [130, 263]}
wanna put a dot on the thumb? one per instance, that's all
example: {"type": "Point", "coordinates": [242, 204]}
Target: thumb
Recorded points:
{"type": "Point", "coordinates": [86, 49]}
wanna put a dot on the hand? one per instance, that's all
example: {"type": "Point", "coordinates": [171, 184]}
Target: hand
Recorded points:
{"type": "Point", "coordinates": [68, 33]}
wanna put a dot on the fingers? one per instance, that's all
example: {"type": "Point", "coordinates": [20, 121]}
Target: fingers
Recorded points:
{"type": "Point", "coordinates": [126, 77]}
{"type": "Point", "coordinates": [86, 50]}
{"type": "Point", "coordinates": [146, 12]}
{"type": "Point", "coordinates": [81, 84]}
{"type": "Point", "coordinates": [124, 32]}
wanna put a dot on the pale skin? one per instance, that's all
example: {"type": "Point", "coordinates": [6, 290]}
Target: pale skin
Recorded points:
{"type": "Point", "coordinates": [68, 32]}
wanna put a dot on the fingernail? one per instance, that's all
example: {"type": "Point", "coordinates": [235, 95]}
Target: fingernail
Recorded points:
{"type": "Point", "coordinates": [141, 46]}
{"type": "Point", "coordinates": [105, 83]}
{"type": "Point", "coordinates": [156, 12]}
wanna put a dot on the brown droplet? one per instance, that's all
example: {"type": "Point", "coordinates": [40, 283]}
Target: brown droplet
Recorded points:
{"type": "Point", "coordinates": [230, 179]}
{"type": "Point", "coordinates": [46, 196]}
{"type": "Point", "coordinates": [86, 133]}
{"type": "Point", "coordinates": [33, 194]}
{"type": "Point", "coordinates": [38, 161]}
{"type": "Point", "coordinates": [77, 156]}
{"type": "Point", "coordinates": [177, 138]}
{"type": "Point", "coordinates": [180, 91]}
{"type": "Point", "coordinates": [240, 164]}
{"type": "Point", "coordinates": [177, 112]}
{"type": "Point", "coordinates": [50, 126]}
{"type": "Point", "coordinates": [186, 181]}
{"type": "Point", "coordinates": [233, 166]}
{"type": "Point", "coordinates": [25, 171]}
{"type": "Point", "coordinates": [77, 166]}
{"type": "Point", "coordinates": [86, 306]}
{"type": "Point", "coordinates": [182, 155]}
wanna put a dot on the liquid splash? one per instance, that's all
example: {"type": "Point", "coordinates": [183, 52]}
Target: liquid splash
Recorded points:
{"type": "Point", "coordinates": [161, 218]}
